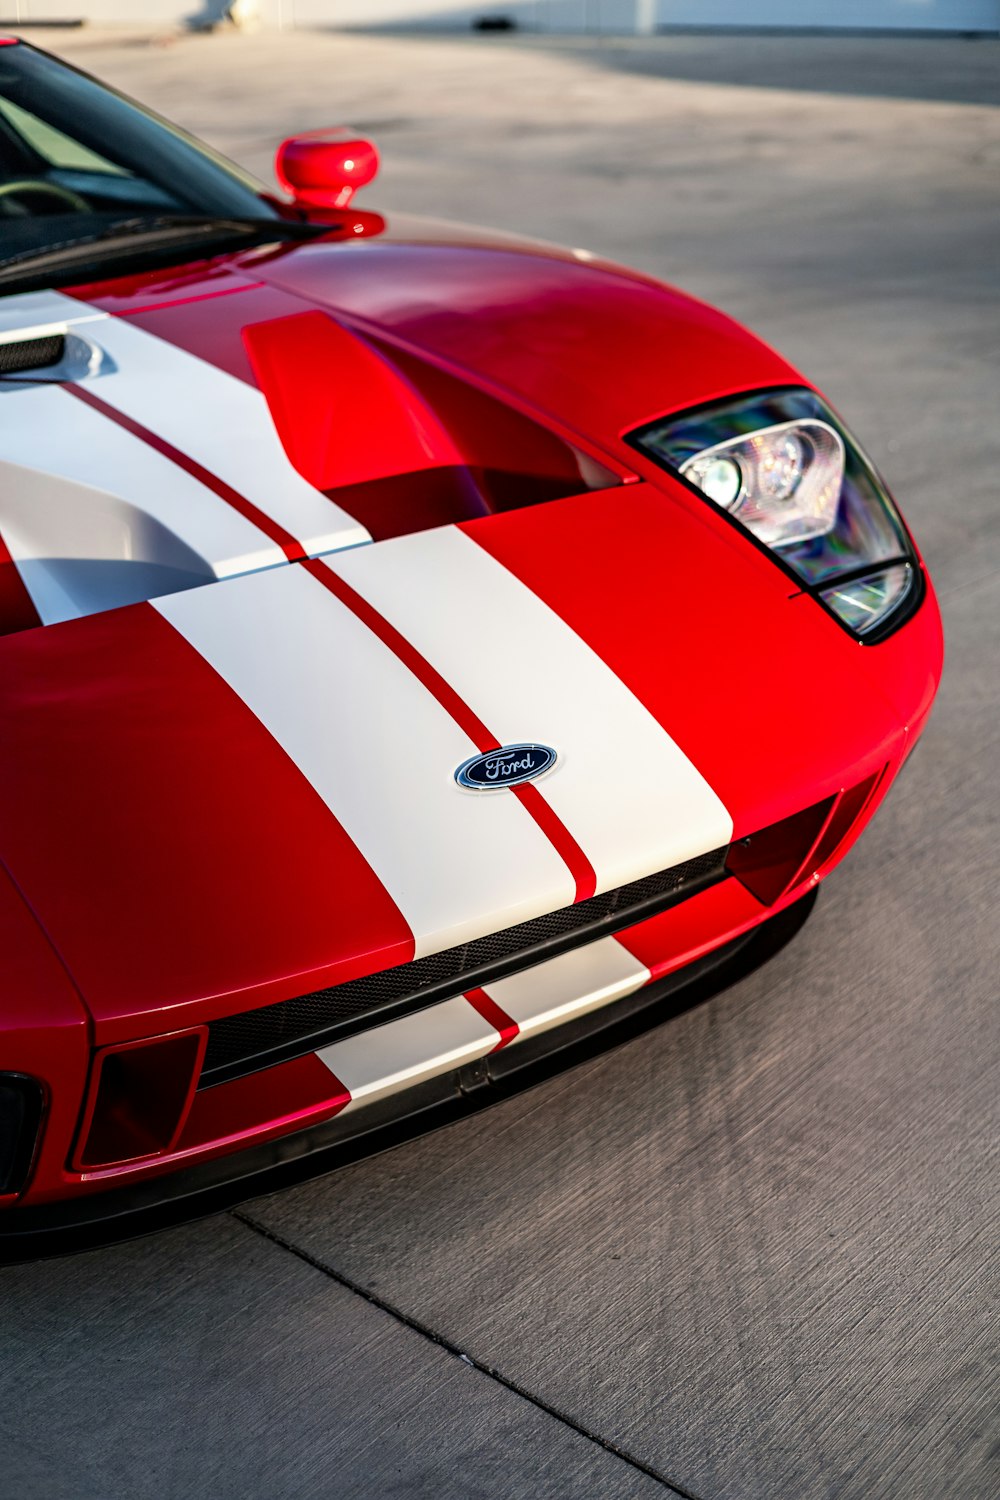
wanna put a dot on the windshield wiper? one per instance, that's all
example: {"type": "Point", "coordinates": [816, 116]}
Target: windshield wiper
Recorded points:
{"type": "Point", "coordinates": [145, 232]}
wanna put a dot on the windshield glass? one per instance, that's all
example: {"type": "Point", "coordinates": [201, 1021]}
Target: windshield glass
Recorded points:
{"type": "Point", "coordinates": [77, 158]}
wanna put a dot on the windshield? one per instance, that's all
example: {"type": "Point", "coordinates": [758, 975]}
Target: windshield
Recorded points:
{"type": "Point", "coordinates": [78, 160]}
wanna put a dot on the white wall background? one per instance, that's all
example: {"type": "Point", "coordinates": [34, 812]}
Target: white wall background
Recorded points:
{"type": "Point", "coordinates": [548, 15]}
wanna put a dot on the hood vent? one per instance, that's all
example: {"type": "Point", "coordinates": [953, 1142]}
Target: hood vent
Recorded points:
{"type": "Point", "coordinates": [31, 354]}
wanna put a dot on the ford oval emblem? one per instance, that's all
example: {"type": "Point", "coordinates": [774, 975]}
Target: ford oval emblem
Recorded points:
{"type": "Point", "coordinates": [509, 766]}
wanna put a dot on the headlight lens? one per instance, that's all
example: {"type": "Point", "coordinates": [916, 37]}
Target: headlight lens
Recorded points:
{"type": "Point", "coordinates": [783, 467]}
{"type": "Point", "coordinates": [863, 602]}
{"type": "Point", "coordinates": [783, 483]}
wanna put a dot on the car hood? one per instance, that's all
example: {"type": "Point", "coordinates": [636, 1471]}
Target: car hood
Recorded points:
{"type": "Point", "coordinates": [591, 346]}
{"type": "Point", "coordinates": [307, 530]}
{"type": "Point", "coordinates": [247, 791]}
{"type": "Point", "coordinates": [232, 415]}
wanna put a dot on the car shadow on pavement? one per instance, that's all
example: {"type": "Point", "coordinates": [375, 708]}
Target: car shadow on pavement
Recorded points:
{"type": "Point", "coordinates": [943, 67]}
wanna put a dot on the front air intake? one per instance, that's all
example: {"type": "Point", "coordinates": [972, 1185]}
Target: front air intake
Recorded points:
{"type": "Point", "coordinates": [139, 1096]}
{"type": "Point", "coordinates": [31, 354]}
{"type": "Point", "coordinates": [20, 1117]}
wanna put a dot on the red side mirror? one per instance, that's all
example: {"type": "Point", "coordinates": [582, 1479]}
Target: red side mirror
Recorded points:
{"type": "Point", "coordinates": [325, 168]}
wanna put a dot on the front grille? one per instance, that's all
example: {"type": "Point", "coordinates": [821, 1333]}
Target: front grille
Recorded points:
{"type": "Point", "coordinates": [255, 1039]}
{"type": "Point", "coordinates": [31, 354]}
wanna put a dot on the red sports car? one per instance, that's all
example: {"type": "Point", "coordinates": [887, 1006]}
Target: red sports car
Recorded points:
{"type": "Point", "coordinates": [421, 651]}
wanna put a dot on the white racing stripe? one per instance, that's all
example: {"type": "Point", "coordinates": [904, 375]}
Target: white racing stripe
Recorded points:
{"type": "Point", "coordinates": [389, 1058]}
{"type": "Point", "coordinates": [567, 986]}
{"type": "Point", "coordinates": [221, 423]}
{"type": "Point", "coordinates": [85, 505]}
{"type": "Point", "coordinates": [408, 1051]}
{"type": "Point", "coordinates": [379, 750]}
{"type": "Point", "coordinates": [94, 515]}
{"type": "Point", "coordinates": [35, 314]}
{"type": "Point", "coordinates": [626, 792]}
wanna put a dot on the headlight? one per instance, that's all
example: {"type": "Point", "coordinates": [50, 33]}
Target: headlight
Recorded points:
{"type": "Point", "coordinates": [782, 466]}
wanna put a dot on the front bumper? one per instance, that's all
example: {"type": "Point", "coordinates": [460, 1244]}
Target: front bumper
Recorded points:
{"type": "Point", "coordinates": [189, 1191]}
{"type": "Point", "coordinates": [406, 1072]}
{"type": "Point", "coordinates": [359, 1092]}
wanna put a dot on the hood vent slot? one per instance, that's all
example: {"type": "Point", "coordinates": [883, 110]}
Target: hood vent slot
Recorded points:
{"type": "Point", "coordinates": [31, 354]}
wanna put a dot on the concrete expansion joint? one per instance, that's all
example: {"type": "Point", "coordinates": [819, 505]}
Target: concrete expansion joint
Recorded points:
{"type": "Point", "coordinates": [670, 1485]}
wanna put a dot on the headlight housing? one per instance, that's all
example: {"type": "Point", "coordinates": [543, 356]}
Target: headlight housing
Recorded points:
{"type": "Point", "coordinates": [782, 466]}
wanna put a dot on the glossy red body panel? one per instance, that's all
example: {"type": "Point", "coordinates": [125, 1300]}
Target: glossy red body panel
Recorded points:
{"type": "Point", "coordinates": [216, 334]}
{"type": "Point", "coordinates": [686, 933]}
{"type": "Point", "coordinates": [261, 1107]}
{"type": "Point", "coordinates": [183, 857]}
{"type": "Point", "coordinates": [46, 1029]}
{"type": "Point", "coordinates": [516, 318]}
{"type": "Point", "coordinates": [193, 282]}
{"type": "Point", "coordinates": [177, 859]}
{"type": "Point", "coordinates": [343, 414]}
{"type": "Point", "coordinates": [761, 692]}
{"type": "Point", "coordinates": [17, 612]}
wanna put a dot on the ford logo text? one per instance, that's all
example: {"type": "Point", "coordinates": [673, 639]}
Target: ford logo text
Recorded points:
{"type": "Point", "coordinates": [509, 766]}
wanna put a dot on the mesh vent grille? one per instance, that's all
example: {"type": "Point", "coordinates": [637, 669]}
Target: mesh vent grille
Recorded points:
{"type": "Point", "coordinates": [255, 1039]}
{"type": "Point", "coordinates": [31, 354]}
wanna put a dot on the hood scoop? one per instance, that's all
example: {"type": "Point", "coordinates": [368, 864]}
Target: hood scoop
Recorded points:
{"type": "Point", "coordinates": [401, 444]}
{"type": "Point", "coordinates": [132, 468]}
{"type": "Point", "coordinates": [343, 414]}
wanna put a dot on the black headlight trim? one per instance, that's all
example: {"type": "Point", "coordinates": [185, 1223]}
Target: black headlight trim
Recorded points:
{"type": "Point", "coordinates": [909, 602]}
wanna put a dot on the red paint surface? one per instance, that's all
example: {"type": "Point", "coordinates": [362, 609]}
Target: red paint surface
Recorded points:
{"type": "Point", "coordinates": [182, 862]}
{"type": "Point", "coordinates": [764, 694]}
{"type": "Point", "coordinates": [688, 932]}
{"type": "Point", "coordinates": [195, 297]}
{"type": "Point", "coordinates": [404, 503]}
{"type": "Point", "coordinates": [529, 796]}
{"type": "Point", "coordinates": [210, 325]}
{"type": "Point", "coordinates": [261, 1107]}
{"type": "Point", "coordinates": [161, 288]}
{"type": "Point", "coordinates": [17, 612]}
{"type": "Point", "coordinates": [46, 1030]}
{"type": "Point", "coordinates": [600, 353]}
{"type": "Point", "coordinates": [292, 548]}
{"type": "Point", "coordinates": [343, 414]}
